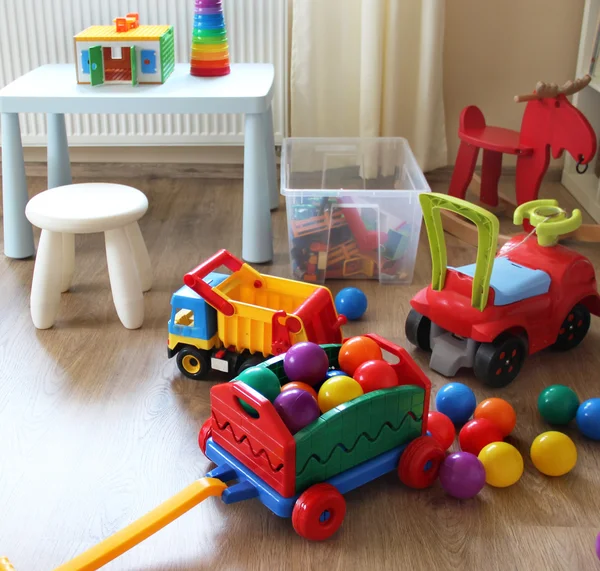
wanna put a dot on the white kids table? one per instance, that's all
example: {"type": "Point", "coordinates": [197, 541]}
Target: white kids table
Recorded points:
{"type": "Point", "coordinates": [53, 89]}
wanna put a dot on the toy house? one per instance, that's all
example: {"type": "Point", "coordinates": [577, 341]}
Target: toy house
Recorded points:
{"type": "Point", "coordinates": [125, 53]}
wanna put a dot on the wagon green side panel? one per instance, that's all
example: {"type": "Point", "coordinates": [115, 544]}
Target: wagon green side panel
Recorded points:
{"type": "Point", "coordinates": [357, 431]}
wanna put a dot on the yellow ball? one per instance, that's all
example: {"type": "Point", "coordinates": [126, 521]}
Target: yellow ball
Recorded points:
{"type": "Point", "coordinates": [503, 464]}
{"type": "Point", "coordinates": [337, 390]}
{"type": "Point", "coordinates": [553, 453]}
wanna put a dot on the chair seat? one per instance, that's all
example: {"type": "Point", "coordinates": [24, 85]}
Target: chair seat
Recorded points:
{"type": "Point", "coordinates": [495, 139]}
{"type": "Point", "coordinates": [512, 282]}
{"type": "Point", "coordinates": [86, 208]}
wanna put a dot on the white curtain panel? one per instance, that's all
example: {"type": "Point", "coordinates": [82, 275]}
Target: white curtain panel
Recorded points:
{"type": "Point", "coordinates": [370, 68]}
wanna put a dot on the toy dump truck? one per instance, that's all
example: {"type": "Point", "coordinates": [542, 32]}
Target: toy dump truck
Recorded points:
{"type": "Point", "coordinates": [231, 322]}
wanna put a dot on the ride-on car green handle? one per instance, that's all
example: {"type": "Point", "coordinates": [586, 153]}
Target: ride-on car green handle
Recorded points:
{"type": "Point", "coordinates": [549, 220]}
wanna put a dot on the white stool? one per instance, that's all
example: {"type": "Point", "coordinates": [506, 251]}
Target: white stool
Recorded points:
{"type": "Point", "coordinates": [84, 209]}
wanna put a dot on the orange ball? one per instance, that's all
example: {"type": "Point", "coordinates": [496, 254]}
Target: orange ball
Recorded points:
{"type": "Point", "coordinates": [500, 412]}
{"type": "Point", "coordinates": [356, 351]}
{"type": "Point", "coordinates": [301, 386]}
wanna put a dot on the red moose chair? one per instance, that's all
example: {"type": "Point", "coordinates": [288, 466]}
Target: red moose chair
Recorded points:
{"type": "Point", "coordinates": [550, 124]}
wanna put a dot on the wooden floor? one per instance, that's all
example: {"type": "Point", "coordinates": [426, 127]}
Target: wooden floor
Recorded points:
{"type": "Point", "coordinates": [97, 427]}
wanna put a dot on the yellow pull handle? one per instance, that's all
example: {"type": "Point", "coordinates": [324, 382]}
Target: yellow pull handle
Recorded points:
{"type": "Point", "coordinates": [5, 564]}
{"type": "Point", "coordinates": [143, 528]}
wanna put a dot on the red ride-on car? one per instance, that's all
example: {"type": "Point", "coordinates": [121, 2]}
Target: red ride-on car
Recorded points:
{"type": "Point", "coordinates": [490, 315]}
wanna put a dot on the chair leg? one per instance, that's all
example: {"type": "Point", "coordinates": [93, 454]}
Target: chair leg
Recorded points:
{"type": "Point", "coordinates": [47, 275]}
{"type": "Point", "coordinates": [491, 168]}
{"type": "Point", "coordinates": [463, 169]}
{"type": "Point", "coordinates": [530, 172]}
{"type": "Point", "coordinates": [68, 261]}
{"type": "Point", "coordinates": [124, 279]}
{"type": "Point", "coordinates": [140, 255]}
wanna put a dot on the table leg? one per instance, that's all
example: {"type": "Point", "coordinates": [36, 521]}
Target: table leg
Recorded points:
{"type": "Point", "coordinates": [18, 234]}
{"type": "Point", "coordinates": [257, 237]}
{"type": "Point", "coordinates": [59, 165]}
{"type": "Point", "coordinates": [271, 168]}
{"type": "Point", "coordinates": [46, 285]}
{"type": "Point", "coordinates": [124, 279]}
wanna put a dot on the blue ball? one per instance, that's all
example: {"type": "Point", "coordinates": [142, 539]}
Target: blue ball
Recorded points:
{"type": "Point", "coordinates": [351, 302]}
{"type": "Point", "coordinates": [335, 373]}
{"type": "Point", "coordinates": [588, 418]}
{"type": "Point", "coordinates": [456, 401]}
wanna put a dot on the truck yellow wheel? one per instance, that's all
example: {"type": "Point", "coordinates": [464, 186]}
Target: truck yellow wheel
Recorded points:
{"type": "Point", "coordinates": [193, 363]}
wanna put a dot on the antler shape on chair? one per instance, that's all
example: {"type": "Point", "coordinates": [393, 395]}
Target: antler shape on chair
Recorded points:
{"type": "Point", "coordinates": [543, 89]}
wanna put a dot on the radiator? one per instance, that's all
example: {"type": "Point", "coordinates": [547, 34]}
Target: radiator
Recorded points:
{"type": "Point", "coordinates": [35, 32]}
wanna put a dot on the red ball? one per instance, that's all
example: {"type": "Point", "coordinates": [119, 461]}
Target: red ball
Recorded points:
{"type": "Point", "coordinates": [477, 434]}
{"type": "Point", "coordinates": [375, 375]}
{"type": "Point", "coordinates": [441, 429]}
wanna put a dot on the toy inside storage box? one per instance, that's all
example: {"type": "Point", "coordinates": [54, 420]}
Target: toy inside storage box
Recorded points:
{"type": "Point", "coordinates": [352, 207]}
{"type": "Point", "coordinates": [339, 440]}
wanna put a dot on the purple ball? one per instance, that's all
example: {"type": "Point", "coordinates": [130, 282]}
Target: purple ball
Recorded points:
{"type": "Point", "coordinates": [306, 362]}
{"type": "Point", "coordinates": [598, 545]}
{"type": "Point", "coordinates": [462, 475]}
{"type": "Point", "coordinates": [297, 409]}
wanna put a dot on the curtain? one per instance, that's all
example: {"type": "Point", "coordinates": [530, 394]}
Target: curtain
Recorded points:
{"type": "Point", "coordinates": [370, 68]}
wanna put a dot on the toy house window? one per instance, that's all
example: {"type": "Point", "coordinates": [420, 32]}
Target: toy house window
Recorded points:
{"type": "Point", "coordinates": [116, 52]}
{"type": "Point", "coordinates": [148, 61]}
{"type": "Point", "coordinates": [85, 61]}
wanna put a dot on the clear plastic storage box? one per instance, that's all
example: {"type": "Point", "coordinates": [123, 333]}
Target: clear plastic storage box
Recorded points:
{"type": "Point", "coordinates": [352, 207]}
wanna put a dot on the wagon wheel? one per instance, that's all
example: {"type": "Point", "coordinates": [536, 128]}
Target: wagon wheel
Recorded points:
{"type": "Point", "coordinates": [204, 434]}
{"type": "Point", "coordinates": [420, 463]}
{"type": "Point", "coordinates": [319, 512]}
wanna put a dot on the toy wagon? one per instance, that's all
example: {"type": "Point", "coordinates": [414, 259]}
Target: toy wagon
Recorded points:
{"type": "Point", "coordinates": [302, 476]}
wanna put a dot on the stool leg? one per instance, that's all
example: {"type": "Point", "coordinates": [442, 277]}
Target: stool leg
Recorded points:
{"type": "Point", "coordinates": [271, 168]}
{"type": "Point", "coordinates": [140, 255]}
{"type": "Point", "coordinates": [464, 168]}
{"type": "Point", "coordinates": [47, 273]}
{"type": "Point", "coordinates": [124, 279]}
{"type": "Point", "coordinates": [68, 261]}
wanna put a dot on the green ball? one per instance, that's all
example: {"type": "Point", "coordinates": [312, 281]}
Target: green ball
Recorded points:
{"type": "Point", "coordinates": [558, 404]}
{"type": "Point", "coordinates": [263, 381]}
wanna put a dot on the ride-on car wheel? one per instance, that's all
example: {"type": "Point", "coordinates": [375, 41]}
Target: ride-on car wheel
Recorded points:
{"type": "Point", "coordinates": [573, 329]}
{"type": "Point", "coordinates": [204, 434]}
{"type": "Point", "coordinates": [498, 363]}
{"type": "Point", "coordinates": [417, 329]}
{"type": "Point", "coordinates": [318, 512]}
{"type": "Point", "coordinates": [420, 463]}
{"type": "Point", "coordinates": [193, 363]}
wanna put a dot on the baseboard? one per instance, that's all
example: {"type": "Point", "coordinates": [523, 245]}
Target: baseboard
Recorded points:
{"type": "Point", "coordinates": [444, 174]}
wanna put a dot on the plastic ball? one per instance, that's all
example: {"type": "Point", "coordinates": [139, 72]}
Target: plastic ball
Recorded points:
{"type": "Point", "coordinates": [334, 373]}
{"type": "Point", "coordinates": [598, 546]}
{"type": "Point", "coordinates": [558, 404]}
{"type": "Point", "coordinates": [263, 381]}
{"type": "Point", "coordinates": [305, 362]}
{"type": "Point", "coordinates": [462, 475]}
{"type": "Point", "coordinates": [503, 464]}
{"type": "Point", "coordinates": [500, 412]}
{"type": "Point", "coordinates": [336, 391]}
{"type": "Point", "coordinates": [351, 302]}
{"type": "Point", "coordinates": [588, 418]}
{"type": "Point", "coordinates": [456, 401]}
{"type": "Point", "coordinates": [553, 453]}
{"type": "Point", "coordinates": [301, 386]}
{"type": "Point", "coordinates": [375, 375]}
{"type": "Point", "coordinates": [441, 429]}
{"type": "Point", "coordinates": [297, 408]}
{"type": "Point", "coordinates": [477, 434]}
{"type": "Point", "coordinates": [356, 351]}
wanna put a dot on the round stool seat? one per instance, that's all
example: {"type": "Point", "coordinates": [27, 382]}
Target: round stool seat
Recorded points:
{"type": "Point", "coordinates": [86, 208]}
